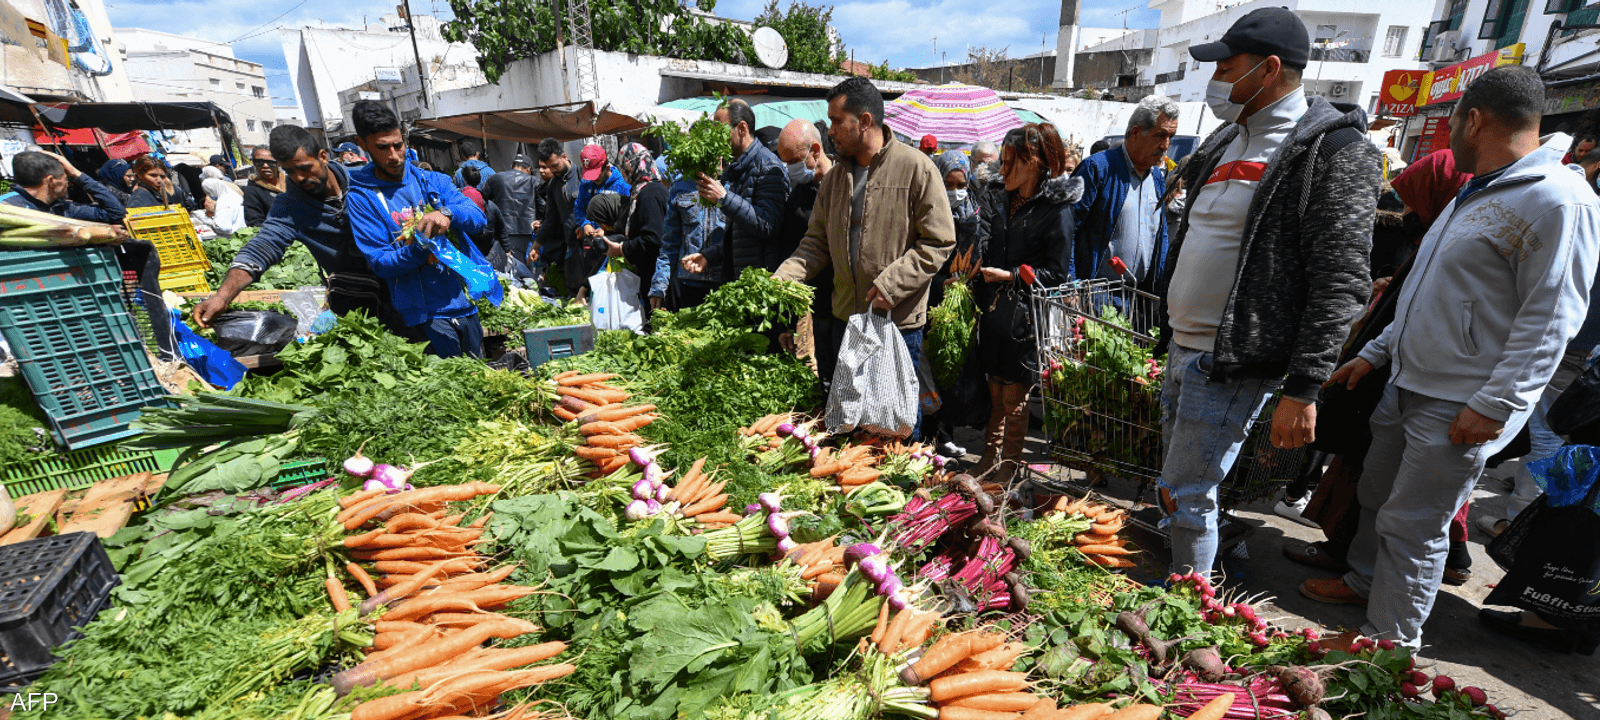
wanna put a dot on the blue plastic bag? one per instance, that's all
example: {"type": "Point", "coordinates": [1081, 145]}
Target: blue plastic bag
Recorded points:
{"type": "Point", "coordinates": [1567, 476]}
{"type": "Point", "coordinates": [212, 363]}
{"type": "Point", "coordinates": [481, 280]}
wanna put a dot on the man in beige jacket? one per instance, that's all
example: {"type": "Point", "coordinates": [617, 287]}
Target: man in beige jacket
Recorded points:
{"type": "Point", "coordinates": [882, 216]}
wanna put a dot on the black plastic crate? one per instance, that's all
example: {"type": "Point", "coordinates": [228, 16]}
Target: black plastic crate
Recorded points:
{"type": "Point", "coordinates": [48, 588]}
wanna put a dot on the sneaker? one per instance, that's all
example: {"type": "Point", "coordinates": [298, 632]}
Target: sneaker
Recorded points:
{"type": "Point", "coordinates": [950, 449]}
{"type": "Point", "coordinates": [1491, 526]}
{"type": "Point", "coordinates": [1291, 509]}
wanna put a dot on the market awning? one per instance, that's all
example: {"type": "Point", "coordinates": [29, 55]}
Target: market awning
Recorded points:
{"type": "Point", "coordinates": [128, 117]}
{"type": "Point", "coordinates": [118, 146]}
{"type": "Point", "coordinates": [571, 121]}
{"type": "Point", "coordinates": [770, 112]}
{"type": "Point", "coordinates": [15, 107]}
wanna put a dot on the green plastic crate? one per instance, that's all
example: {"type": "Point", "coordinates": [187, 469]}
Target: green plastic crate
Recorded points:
{"type": "Point", "coordinates": [61, 312]}
{"type": "Point", "coordinates": [301, 472]}
{"type": "Point", "coordinates": [82, 468]}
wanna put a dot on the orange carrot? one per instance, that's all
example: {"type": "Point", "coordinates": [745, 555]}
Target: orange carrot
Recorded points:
{"type": "Point", "coordinates": [410, 521]}
{"type": "Point", "coordinates": [399, 627]}
{"type": "Point", "coordinates": [1110, 528]}
{"type": "Point", "coordinates": [702, 492]}
{"type": "Point", "coordinates": [606, 467]}
{"type": "Point", "coordinates": [563, 414]}
{"type": "Point", "coordinates": [689, 482]}
{"type": "Point", "coordinates": [336, 593]}
{"type": "Point", "coordinates": [1000, 702]}
{"type": "Point", "coordinates": [718, 517]}
{"type": "Point", "coordinates": [976, 683]}
{"type": "Point", "coordinates": [413, 498]}
{"type": "Point", "coordinates": [1111, 562]}
{"type": "Point", "coordinates": [1136, 712]}
{"type": "Point", "coordinates": [575, 379]}
{"type": "Point", "coordinates": [493, 659]}
{"type": "Point", "coordinates": [585, 395]}
{"type": "Point", "coordinates": [602, 428]}
{"type": "Point", "coordinates": [480, 599]}
{"type": "Point", "coordinates": [362, 577]}
{"type": "Point", "coordinates": [614, 441]}
{"type": "Point", "coordinates": [403, 589]}
{"type": "Point", "coordinates": [473, 581]}
{"type": "Point", "coordinates": [426, 655]}
{"type": "Point", "coordinates": [454, 566]}
{"type": "Point", "coordinates": [1044, 708]}
{"type": "Point", "coordinates": [358, 496]}
{"type": "Point", "coordinates": [589, 452]}
{"type": "Point", "coordinates": [706, 505]}
{"type": "Point", "coordinates": [1087, 711]}
{"type": "Point", "coordinates": [828, 468]}
{"type": "Point", "coordinates": [1215, 709]}
{"type": "Point", "coordinates": [621, 413]}
{"type": "Point", "coordinates": [952, 712]}
{"type": "Point", "coordinates": [405, 553]}
{"type": "Point", "coordinates": [944, 654]}
{"type": "Point", "coordinates": [1093, 539]}
{"type": "Point", "coordinates": [882, 626]}
{"type": "Point", "coordinates": [1103, 550]}
{"type": "Point", "coordinates": [1000, 658]}
{"type": "Point", "coordinates": [897, 628]}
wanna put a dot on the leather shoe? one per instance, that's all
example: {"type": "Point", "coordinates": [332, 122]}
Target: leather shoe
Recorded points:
{"type": "Point", "coordinates": [1316, 555]}
{"type": "Point", "coordinates": [1456, 576]}
{"type": "Point", "coordinates": [1558, 640]}
{"type": "Point", "coordinates": [1333, 591]}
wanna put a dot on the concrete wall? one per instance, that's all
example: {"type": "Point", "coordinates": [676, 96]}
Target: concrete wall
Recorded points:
{"type": "Point", "coordinates": [30, 71]}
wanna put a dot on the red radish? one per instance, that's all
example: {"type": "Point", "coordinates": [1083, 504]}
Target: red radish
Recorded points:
{"type": "Point", "coordinates": [1475, 695]}
{"type": "Point", "coordinates": [1442, 685]}
{"type": "Point", "coordinates": [1408, 690]}
{"type": "Point", "coordinates": [1419, 678]}
{"type": "Point", "coordinates": [1385, 644]}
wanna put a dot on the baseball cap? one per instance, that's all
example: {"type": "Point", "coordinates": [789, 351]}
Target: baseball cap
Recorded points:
{"type": "Point", "coordinates": [521, 160]}
{"type": "Point", "coordinates": [1264, 31]}
{"type": "Point", "coordinates": [594, 159]}
{"type": "Point", "coordinates": [217, 160]}
{"type": "Point", "coordinates": [346, 147]}
{"type": "Point", "coordinates": [929, 143]}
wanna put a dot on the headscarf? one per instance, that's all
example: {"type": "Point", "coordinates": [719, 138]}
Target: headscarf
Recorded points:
{"type": "Point", "coordinates": [214, 187]}
{"type": "Point", "coordinates": [636, 164]}
{"type": "Point", "coordinates": [606, 209]}
{"type": "Point", "coordinates": [210, 172]}
{"type": "Point", "coordinates": [1429, 184]}
{"type": "Point", "coordinates": [112, 174]}
{"type": "Point", "coordinates": [474, 195]}
{"type": "Point", "coordinates": [952, 160]}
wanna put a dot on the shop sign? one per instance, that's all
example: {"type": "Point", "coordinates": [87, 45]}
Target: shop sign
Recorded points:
{"type": "Point", "coordinates": [1446, 84]}
{"type": "Point", "coordinates": [1398, 97]}
{"type": "Point", "coordinates": [1435, 136]}
{"type": "Point", "coordinates": [1573, 98]}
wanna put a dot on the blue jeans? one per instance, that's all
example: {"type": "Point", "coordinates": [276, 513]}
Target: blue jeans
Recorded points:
{"type": "Point", "coordinates": [451, 337]}
{"type": "Point", "coordinates": [913, 340]}
{"type": "Point", "coordinates": [1204, 425]}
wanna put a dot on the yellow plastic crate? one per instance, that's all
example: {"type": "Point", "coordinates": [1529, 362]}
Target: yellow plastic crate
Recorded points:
{"type": "Point", "coordinates": [171, 231]}
{"type": "Point", "coordinates": [190, 277]}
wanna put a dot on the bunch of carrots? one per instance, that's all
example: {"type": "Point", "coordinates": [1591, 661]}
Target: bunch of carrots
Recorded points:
{"type": "Point", "coordinates": [607, 422]}
{"type": "Point", "coordinates": [767, 427]}
{"type": "Point", "coordinates": [822, 563]}
{"type": "Point", "coordinates": [1100, 544]}
{"type": "Point", "coordinates": [437, 606]}
{"type": "Point", "coordinates": [850, 468]}
{"type": "Point", "coordinates": [969, 677]}
{"type": "Point", "coordinates": [700, 498]}
{"type": "Point", "coordinates": [909, 628]}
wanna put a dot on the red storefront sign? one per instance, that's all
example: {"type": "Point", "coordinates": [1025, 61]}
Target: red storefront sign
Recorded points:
{"type": "Point", "coordinates": [1398, 96]}
{"type": "Point", "coordinates": [1446, 84]}
{"type": "Point", "coordinates": [1435, 136]}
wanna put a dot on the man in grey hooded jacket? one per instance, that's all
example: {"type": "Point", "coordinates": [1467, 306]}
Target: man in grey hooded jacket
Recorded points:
{"type": "Point", "coordinates": [1499, 285]}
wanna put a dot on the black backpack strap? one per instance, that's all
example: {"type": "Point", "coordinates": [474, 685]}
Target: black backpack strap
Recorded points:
{"type": "Point", "coordinates": [1326, 146]}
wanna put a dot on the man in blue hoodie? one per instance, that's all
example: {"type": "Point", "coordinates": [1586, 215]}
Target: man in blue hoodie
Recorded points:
{"type": "Point", "coordinates": [1499, 286]}
{"type": "Point", "coordinates": [428, 296]}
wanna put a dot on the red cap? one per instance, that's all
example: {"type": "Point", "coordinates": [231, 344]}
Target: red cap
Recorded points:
{"type": "Point", "coordinates": [594, 160]}
{"type": "Point", "coordinates": [929, 143]}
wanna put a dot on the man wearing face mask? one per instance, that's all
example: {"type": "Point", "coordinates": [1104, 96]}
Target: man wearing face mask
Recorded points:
{"type": "Point", "coordinates": [800, 148]}
{"type": "Point", "coordinates": [751, 194]}
{"type": "Point", "coordinates": [1282, 201]}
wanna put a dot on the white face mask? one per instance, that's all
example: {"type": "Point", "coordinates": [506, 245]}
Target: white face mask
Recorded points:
{"type": "Point", "coordinates": [957, 197]}
{"type": "Point", "coordinates": [1219, 94]}
{"type": "Point", "coordinates": [799, 174]}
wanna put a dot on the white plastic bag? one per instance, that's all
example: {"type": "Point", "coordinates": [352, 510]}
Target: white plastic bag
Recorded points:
{"type": "Point", "coordinates": [614, 299]}
{"type": "Point", "coordinates": [875, 385]}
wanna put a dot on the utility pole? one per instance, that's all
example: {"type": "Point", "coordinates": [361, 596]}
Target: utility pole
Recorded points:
{"type": "Point", "coordinates": [422, 70]}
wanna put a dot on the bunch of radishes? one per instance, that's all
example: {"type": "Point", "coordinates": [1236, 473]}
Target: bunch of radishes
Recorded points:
{"type": "Point", "coordinates": [874, 564]}
{"type": "Point", "coordinates": [1443, 688]}
{"type": "Point", "coordinates": [378, 476]}
{"type": "Point", "coordinates": [1217, 612]}
{"type": "Point", "coordinates": [650, 493]}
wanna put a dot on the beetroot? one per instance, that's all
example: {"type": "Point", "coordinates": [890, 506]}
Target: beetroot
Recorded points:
{"type": "Point", "coordinates": [1021, 547]}
{"type": "Point", "coordinates": [1301, 684]}
{"type": "Point", "coordinates": [1133, 626]}
{"type": "Point", "coordinates": [1318, 713]}
{"type": "Point", "coordinates": [1205, 662]}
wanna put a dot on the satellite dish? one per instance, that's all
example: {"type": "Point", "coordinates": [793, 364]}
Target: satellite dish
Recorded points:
{"type": "Point", "coordinates": [771, 50]}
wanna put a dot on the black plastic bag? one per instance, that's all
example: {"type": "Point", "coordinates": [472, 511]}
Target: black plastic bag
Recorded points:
{"type": "Point", "coordinates": [1552, 561]}
{"type": "Point", "coordinates": [246, 332]}
{"type": "Point", "coordinates": [1578, 407]}
{"type": "Point", "coordinates": [966, 404]}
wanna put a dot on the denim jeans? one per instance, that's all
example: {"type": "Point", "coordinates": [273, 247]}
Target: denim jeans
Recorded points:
{"type": "Point", "coordinates": [1544, 441]}
{"type": "Point", "coordinates": [451, 337]}
{"type": "Point", "coordinates": [1204, 424]}
{"type": "Point", "coordinates": [1414, 480]}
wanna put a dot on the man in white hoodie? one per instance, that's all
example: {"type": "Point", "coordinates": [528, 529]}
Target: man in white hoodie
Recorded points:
{"type": "Point", "coordinates": [1500, 284]}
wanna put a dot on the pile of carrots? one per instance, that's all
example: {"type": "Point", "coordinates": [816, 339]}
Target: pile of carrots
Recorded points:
{"type": "Point", "coordinates": [969, 677]}
{"type": "Point", "coordinates": [822, 564]}
{"type": "Point", "coordinates": [700, 498]}
{"type": "Point", "coordinates": [767, 427]}
{"type": "Point", "coordinates": [438, 602]}
{"type": "Point", "coordinates": [1100, 544]}
{"type": "Point", "coordinates": [909, 628]}
{"type": "Point", "coordinates": [849, 468]}
{"type": "Point", "coordinates": [607, 422]}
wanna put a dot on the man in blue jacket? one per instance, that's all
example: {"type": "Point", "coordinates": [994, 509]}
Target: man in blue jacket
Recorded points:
{"type": "Point", "coordinates": [752, 193]}
{"type": "Point", "coordinates": [428, 295]}
{"type": "Point", "coordinates": [1120, 214]}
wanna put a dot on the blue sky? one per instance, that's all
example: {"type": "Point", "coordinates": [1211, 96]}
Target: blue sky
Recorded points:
{"type": "Point", "coordinates": [1018, 25]}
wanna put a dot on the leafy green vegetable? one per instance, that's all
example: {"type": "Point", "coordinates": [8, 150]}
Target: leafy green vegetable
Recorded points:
{"type": "Point", "coordinates": [24, 431]}
{"type": "Point", "coordinates": [696, 149]}
{"type": "Point", "coordinates": [297, 269]}
{"type": "Point", "coordinates": [356, 352]}
{"type": "Point", "coordinates": [951, 333]}
{"type": "Point", "coordinates": [525, 310]}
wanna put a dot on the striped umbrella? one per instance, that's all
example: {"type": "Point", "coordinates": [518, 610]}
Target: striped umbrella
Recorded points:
{"type": "Point", "coordinates": [956, 114]}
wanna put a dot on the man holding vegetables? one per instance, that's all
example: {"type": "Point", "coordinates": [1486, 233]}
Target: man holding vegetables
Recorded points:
{"type": "Point", "coordinates": [1500, 284]}
{"type": "Point", "coordinates": [886, 251]}
{"type": "Point", "coordinates": [751, 194]}
{"type": "Point", "coordinates": [1267, 269]}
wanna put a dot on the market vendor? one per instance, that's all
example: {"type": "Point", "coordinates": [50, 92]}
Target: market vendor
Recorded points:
{"type": "Point", "coordinates": [311, 211]}
{"type": "Point", "coordinates": [427, 294]}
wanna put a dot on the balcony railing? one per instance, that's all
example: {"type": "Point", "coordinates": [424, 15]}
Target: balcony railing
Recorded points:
{"type": "Point", "coordinates": [1173, 76]}
{"type": "Point", "coordinates": [1586, 15]}
{"type": "Point", "coordinates": [1349, 55]}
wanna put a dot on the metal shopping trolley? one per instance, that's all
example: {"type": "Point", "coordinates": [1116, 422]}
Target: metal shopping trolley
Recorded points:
{"type": "Point", "coordinates": [1101, 390]}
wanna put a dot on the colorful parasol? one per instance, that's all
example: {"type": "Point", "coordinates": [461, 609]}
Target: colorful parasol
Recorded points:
{"type": "Point", "coordinates": [956, 114]}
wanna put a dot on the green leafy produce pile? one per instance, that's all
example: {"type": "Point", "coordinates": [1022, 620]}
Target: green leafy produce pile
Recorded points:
{"type": "Point", "coordinates": [525, 310]}
{"type": "Point", "coordinates": [297, 269]}
{"type": "Point", "coordinates": [700, 147]}
{"type": "Point", "coordinates": [24, 431]}
{"type": "Point", "coordinates": [356, 352]}
{"type": "Point", "coordinates": [1103, 397]}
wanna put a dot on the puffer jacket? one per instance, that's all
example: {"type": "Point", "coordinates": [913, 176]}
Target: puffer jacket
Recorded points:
{"type": "Point", "coordinates": [1039, 235]}
{"type": "Point", "coordinates": [758, 186]}
{"type": "Point", "coordinates": [1302, 277]}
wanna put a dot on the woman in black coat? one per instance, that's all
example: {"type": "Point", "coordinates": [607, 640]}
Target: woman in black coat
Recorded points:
{"type": "Point", "coordinates": [1025, 219]}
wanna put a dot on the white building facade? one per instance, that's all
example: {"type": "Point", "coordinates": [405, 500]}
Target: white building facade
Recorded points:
{"type": "Point", "coordinates": [1354, 42]}
{"type": "Point", "coordinates": [163, 67]}
{"type": "Point", "coordinates": [86, 68]}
